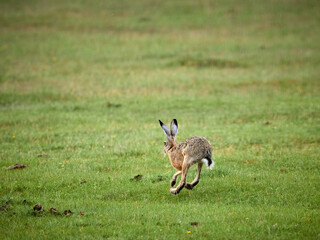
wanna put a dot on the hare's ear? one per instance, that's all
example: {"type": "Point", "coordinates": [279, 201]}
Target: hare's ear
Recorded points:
{"type": "Point", "coordinates": [174, 128]}
{"type": "Point", "coordinates": [165, 129]}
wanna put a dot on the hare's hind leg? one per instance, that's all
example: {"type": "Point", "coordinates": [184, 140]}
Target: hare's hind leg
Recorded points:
{"type": "Point", "coordinates": [185, 168]}
{"type": "Point", "coordinates": [190, 186]}
{"type": "Point", "coordinates": [174, 178]}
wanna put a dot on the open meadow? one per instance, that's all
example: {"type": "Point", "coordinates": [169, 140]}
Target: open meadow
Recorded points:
{"type": "Point", "coordinates": [84, 83]}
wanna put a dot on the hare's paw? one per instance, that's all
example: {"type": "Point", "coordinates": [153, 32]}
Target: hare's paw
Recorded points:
{"type": "Point", "coordinates": [173, 182]}
{"type": "Point", "coordinates": [189, 186]}
{"type": "Point", "coordinates": [174, 191]}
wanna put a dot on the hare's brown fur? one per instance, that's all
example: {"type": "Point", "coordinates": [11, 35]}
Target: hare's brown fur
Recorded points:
{"type": "Point", "coordinates": [195, 148]}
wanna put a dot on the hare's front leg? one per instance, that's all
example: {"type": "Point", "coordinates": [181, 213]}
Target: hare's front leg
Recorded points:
{"type": "Point", "coordinates": [185, 167]}
{"type": "Point", "coordinates": [190, 186]}
{"type": "Point", "coordinates": [174, 178]}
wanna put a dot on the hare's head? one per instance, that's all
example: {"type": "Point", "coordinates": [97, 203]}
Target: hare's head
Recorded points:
{"type": "Point", "coordinates": [171, 134]}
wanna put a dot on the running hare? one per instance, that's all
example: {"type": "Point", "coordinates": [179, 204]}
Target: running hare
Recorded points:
{"type": "Point", "coordinates": [183, 155]}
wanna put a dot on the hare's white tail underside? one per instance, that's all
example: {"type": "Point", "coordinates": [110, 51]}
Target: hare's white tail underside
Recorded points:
{"type": "Point", "coordinates": [209, 163]}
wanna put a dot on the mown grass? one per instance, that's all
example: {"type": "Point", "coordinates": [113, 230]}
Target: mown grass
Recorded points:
{"type": "Point", "coordinates": [83, 84]}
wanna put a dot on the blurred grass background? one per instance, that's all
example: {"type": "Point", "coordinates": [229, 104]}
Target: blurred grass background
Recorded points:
{"type": "Point", "coordinates": [83, 84]}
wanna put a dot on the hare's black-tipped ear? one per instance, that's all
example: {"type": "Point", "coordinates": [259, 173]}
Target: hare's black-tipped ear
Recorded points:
{"type": "Point", "coordinates": [165, 129]}
{"type": "Point", "coordinates": [174, 128]}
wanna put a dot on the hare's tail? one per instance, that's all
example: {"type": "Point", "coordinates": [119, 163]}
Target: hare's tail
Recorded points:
{"type": "Point", "coordinates": [208, 161]}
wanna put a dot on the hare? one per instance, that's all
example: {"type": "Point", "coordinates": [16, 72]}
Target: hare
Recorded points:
{"type": "Point", "coordinates": [183, 155]}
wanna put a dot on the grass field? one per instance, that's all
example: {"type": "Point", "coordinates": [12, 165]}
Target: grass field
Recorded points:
{"type": "Point", "coordinates": [84, 83]}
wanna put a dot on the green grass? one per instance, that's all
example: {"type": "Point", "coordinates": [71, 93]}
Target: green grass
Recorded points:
{"type": "Point", "coordinates": [83, 84]}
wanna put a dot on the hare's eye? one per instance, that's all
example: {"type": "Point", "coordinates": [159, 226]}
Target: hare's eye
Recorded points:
{"type": "Point", "coordinates": [164, 143]}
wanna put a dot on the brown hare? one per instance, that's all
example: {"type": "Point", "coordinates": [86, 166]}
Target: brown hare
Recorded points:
{"type": "Point", "coordinates": [183, 155]}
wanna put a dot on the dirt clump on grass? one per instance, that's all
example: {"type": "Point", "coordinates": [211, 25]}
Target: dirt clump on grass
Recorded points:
{"type": "Point", "coordinates": [4, 208]}
{"type": "Point", "coordinates": [136, 178]}
{"type": "Point", "coordinates": [17, 166]}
